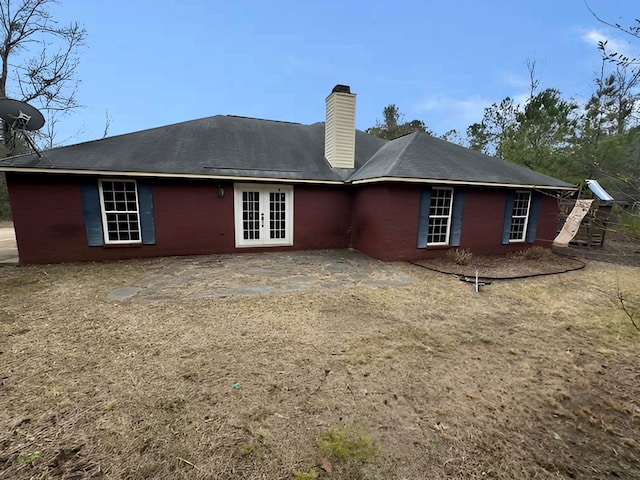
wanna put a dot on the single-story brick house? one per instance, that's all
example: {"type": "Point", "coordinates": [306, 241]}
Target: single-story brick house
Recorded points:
{"type": "Point", "coordinates": [227, 184]}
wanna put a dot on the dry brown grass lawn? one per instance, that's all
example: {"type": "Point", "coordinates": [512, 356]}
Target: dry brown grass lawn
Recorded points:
{"type": "Point", "coordinates": [530, 379]}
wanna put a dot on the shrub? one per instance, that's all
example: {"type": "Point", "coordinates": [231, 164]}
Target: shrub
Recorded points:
{"type": "Point", "coordinates": [348, 444]}
{"type": "Point", "coordinates": [460, 256]}
{"type": "Point", "coordinates": [533, 253]}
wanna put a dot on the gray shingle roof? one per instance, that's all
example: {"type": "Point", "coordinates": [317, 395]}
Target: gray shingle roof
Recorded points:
{"type": "Point", "coordinates": [240, 147]}
{"type": "Point", "coordinates": [421, 156]}
{"type": "Point", "coordinates": [217, 146]}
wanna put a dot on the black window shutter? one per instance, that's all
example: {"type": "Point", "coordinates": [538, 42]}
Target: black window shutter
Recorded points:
{"type": "Point", "coordinates": [456, 218]}
{"type": "Point", "coordinates": [534, 213]}
{"type": "Point", "coordinates": [147, 223]}
{"type": "Point", "coordinates": [92, 213]}
{"type": "Point", "coordinates": [423, 217]}
{"type": "Point", "coordinates": [508, 213]}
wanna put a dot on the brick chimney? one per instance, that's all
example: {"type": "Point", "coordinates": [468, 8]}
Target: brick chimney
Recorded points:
{"type": "Point", "coordinates": [340, 128]}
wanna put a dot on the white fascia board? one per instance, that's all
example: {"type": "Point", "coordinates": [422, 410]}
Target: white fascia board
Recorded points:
{"type": "Point", "coordinates": [432, 181]}
{"type": "Point", "coordinates": [121, 174]}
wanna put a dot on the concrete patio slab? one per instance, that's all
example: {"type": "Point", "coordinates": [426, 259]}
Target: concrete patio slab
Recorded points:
{"type": "Point", "coordinates": [213, 276]}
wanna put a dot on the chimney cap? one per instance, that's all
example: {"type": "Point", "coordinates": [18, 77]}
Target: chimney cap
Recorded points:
{"type": "Point", "coordinates": [341, 89]}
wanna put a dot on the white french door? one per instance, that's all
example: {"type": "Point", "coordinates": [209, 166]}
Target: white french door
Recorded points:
{"type": "Point", "coordinates": [263, 215]}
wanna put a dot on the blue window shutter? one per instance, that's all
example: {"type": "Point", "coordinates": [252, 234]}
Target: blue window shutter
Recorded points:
{"type": "Point", "coordinates": [147, 223]}
{"type": "Point", "coordinates": [456, 218]}
{"type": "Point", "coordinates": [534, 213]}
{"type": "Point", "coordinates": [423, 217]}
{"type": "Point", "coordinates": [508, 213]}
{"type": "Point", "coordinates": [92, 213]}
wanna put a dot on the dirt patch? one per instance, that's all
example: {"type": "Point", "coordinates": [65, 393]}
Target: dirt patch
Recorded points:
{"type": "Point", "coordinates": [528, 263]}
{"type": "Point", "coordinates": [530, 379]}
{"type": "Point", "coordinates": [619, 249]}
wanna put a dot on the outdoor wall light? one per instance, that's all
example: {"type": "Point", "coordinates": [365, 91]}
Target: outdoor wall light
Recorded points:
{"type": "Point", "coordinates": [220, 191]}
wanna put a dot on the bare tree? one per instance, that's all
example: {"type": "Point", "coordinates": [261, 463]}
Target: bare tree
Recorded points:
{"type": "Point", "coordinates": [39, 57]}
{"type": "Point", "coordinates": [534, 81]}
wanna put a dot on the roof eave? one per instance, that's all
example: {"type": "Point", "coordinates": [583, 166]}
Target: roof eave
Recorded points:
{"type": "Point", "coordinates": [113, 173]}
{"type": "Point", "coordinates": [434, 181]}
{"type": "Point", "coordinates": [431, 181]}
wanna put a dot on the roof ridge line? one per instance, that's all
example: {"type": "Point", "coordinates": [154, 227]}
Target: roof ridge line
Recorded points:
{"type": "Point", "coordinates": [262, 119]}
{"type": "Point", "coordinates": [387, 142]}
{"type": "Point", "coordinates": [396, 161]}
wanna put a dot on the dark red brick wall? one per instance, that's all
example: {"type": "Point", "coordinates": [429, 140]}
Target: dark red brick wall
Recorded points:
{"type": "Point", "coordinates": [189, 219]}
{"type": "Point", "coordinates": [386, 222]}
{"type": "Point", "coordinates": [369, 232]}
{"type": "Point", "coordinates": [47, 216]}
{"type": "Point", "coordinates": [484, 216]}
{"type": "Point", "coordinates": [322, 217]}
{"type": "Point", "coordinates": [380, 220]}
{"type": "Point", "coordinates": [482, 221]}
{"type": "Point", "coordinates": [547, 221]}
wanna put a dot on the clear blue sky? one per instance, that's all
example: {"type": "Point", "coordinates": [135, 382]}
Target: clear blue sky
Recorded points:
{"type": "Point", "coordinates": [153, 63]}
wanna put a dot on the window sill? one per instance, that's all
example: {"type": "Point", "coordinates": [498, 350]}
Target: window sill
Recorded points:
{"type": "Point", "coordinates": [436, 247]}
{"type": "Point", "coordinates": [122, 245]}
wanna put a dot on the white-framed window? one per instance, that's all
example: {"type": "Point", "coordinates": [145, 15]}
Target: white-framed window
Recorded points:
{"type": "Point", "coordinates": [440, 209]}
{"type": "Point", "coordinates": [520, 216]}
{"type": "Point", "coordinates": [263, 215]}
{"type": "Point", "coordinates": [120, 211]}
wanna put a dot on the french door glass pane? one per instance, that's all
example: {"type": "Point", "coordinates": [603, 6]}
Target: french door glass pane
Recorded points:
{"type": "Point", "coordinates": [251, 215]}
{"type": "Point", "coordinates": [277, 215]}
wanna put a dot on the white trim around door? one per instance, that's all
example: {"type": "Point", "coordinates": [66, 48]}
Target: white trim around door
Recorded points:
{"type": "Point", "coordinates": [263, 215]}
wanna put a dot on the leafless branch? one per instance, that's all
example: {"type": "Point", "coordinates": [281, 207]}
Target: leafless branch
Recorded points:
{"type": "Point", "coordinates": [44, 56]}
{"type": "Point", "coordinates": [107, 124]}
{"type": "Point", "coordinates": [629, 306]}
{"type": "Point", "coordinates": [534, 82]}
{"type": "Point", "coordinates": [633, 31]}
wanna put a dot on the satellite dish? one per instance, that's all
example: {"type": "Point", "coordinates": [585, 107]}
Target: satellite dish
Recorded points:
{"type": "Point", "coordinates": [21, 117]}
